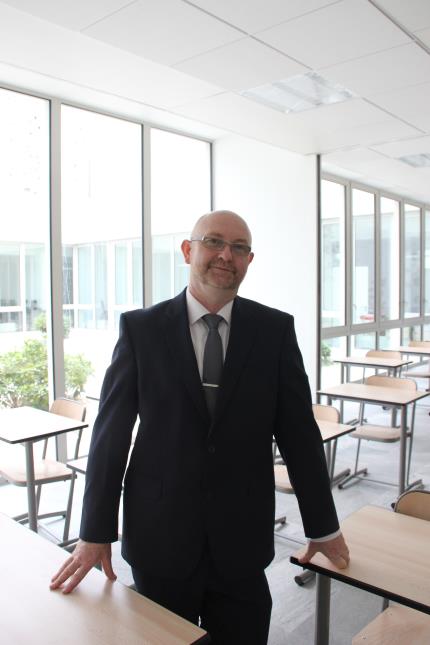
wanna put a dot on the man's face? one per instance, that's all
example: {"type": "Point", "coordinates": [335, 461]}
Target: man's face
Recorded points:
{"type": "Point", "coordinates": [220, 269]}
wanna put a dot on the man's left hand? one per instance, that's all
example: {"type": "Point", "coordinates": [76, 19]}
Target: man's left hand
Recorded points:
{"type": "Point", "coordinates": [335, 550]}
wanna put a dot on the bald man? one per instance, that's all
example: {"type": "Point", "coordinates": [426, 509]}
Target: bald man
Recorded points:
{"type": "Point", "coordinates": [199, 500]}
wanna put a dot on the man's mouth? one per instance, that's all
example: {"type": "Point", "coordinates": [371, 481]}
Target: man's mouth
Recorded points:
{"type": "Point", "coordinates": [216, 266]}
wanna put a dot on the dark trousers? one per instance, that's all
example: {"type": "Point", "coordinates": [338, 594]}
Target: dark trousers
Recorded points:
{"type": "Point", "coordinates": [234, 612]}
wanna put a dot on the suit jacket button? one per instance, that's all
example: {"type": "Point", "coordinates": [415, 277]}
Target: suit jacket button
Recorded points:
{"type": "Point", "coordinates": [211, 449]}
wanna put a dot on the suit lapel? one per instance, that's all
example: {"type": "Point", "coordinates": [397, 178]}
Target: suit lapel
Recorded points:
{"type": "Point", "coordinates": [242, 334]}
{"type": "Point", "coordinates": [178, 338]}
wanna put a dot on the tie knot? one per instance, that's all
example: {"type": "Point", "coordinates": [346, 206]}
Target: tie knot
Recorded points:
{"type": "Point", "coordinates": [212, 320]}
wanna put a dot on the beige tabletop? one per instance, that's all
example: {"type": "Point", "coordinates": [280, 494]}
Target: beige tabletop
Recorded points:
{"type": "Point", "coordinates": [18, 425]}
{"type": "Point", "coordinates": [417, 351]}
{"type": "Point", "coordinates": [373, 394]}
{"type": "Point", "coordinates": [373, 361]}
{"type": "Point", "coordinates": [331, 430]}
{"type": "Point", "coordinates": [98, 612]}
{"type": "Point", "coordinates": [389, 557]}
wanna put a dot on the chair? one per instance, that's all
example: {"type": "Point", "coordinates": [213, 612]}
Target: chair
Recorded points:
{"type": "Point", "coordinates": [396, 624]}
{"type": "Point", "coordinates": [282, 481]}
{"type": "Point", "coordinates": [47, 471]}
{"type": "Point", "coordinates": [381, 433]}
{"type": "Point", "coordinates": [424, 373]}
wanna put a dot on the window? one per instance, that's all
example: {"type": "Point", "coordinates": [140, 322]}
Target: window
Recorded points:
{"type": "Point", "coordinates": [412, 262]}
{"type": "Point", "coordinates": [102, 234]}
{"type": "Point", "coordinates": [180, 193]}
{"type": "Point", "coordinates": [363, 249]}
{"type": "Point", "coordinates": [427, 263]}
{"type": "Point", "coordinates": [24, 286]}
{"type": "Point", "coordinates": [333, 253]}
{"type": "Point", "coordinates": [390, 256]}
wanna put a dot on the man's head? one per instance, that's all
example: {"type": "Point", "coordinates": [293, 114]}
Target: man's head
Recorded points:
{"type": "Point", "coordinates": [217, 268]}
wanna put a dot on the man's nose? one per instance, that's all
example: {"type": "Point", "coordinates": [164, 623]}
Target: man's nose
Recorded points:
{"type": "Point", "coordinates": [226, 253]}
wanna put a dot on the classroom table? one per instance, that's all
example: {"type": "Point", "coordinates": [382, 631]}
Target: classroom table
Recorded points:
{"type": "Point", "coordinates": [392, 365]}
{"type": "Point", "coordinates": [98, 612]}
{"type": "Point", "coordinates": [27, 425]}
{"type": "Point", "coordinates": [389, 557]}
{"type": "Point", "coordinates": [392, 397]}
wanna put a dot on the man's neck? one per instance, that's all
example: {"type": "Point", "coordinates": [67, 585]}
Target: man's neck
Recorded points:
{"type": "Point", "coordinates": [212, 300]}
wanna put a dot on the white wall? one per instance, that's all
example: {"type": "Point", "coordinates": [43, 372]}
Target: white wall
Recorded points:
{"type": "Point", "coordinates": [275, 191]}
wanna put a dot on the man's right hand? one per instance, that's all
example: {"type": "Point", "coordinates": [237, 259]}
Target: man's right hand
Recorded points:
{"type": "Point", "coordinates": [85, 556]}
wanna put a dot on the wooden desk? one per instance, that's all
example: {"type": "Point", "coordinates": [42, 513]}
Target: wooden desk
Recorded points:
{"type": "Point", "coordinates": [330, 432]}
{"type": "Point", "coordinates": [415, 351]}
{"type": "Point", "coordinates": [389, 557]}
{"type": "Point", "coordinates": [27, 425]}
{"type": "Point", "coordinates": [98, 612]}
{"type": "Point", "coordinates": [392, 365]}
{"type": "Point", "coordinates": [382, 396]}
{"type": "Point", "coordinates": [78, 465]}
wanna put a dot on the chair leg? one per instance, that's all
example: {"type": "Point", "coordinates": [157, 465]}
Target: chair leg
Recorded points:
{"type": "Point", "coordinates": [356, 474]}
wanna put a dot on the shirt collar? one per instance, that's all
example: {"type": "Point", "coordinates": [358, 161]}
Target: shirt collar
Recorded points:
{"type": "Point", "coordinates": [196, 310]}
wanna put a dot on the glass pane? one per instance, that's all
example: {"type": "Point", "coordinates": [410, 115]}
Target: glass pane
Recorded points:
{"type": "Point", "coordinates": [331, 348]}
{"type": "Point", "coordinates": [332, 253]}
{"type": "Point", "coordinates": [389, 339]}
{"type": "Point", "coordinates": [101, 218]}
{"type": "Point", "coordinates": [427, 264]}
{"type": "Point", "coordinates": [180, 193]}
{"type": "Point", "coordinates": [363, 249]}
{"type": "Point", "coordinates": [426, 332]}
{"type": "Point", "coordinates": [411, 333]}
{"type": "Point", "coordinates": [360, 345]}
{"type": "Point", "coordinates": [390, 256]}
{"type": "Point", "coordinates": [24, 234]}
{"type": "Point", "coordinates": [412, 259]}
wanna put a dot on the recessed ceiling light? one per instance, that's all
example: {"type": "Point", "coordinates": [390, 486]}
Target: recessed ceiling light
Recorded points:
{"type": "Point", "coordinates": [417, 161]}
{"type": "Point", "coordinates": [299, 93]}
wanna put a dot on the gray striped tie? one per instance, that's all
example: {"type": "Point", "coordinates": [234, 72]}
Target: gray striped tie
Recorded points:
{"type": "Point", "coordinates": [212, 361]}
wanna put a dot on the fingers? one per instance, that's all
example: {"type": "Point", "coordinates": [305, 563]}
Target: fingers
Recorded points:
{"type": "Point", "coordinates": [75, 568]}
{"type": "Point", "coordinates": [107, 567]}
{"type": "Point", "coordinates": [335, 550]}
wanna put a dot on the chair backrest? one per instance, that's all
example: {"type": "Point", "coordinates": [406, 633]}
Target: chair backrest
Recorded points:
{"type": "Point", "coordinates": [415, 503]}
{"type": "Point", "coordinates": [74, 410]}
{"type": "Point", "coordinates": [326, 412]}
{"type": "Point", "coordinates": [419, 343]}
{"type": "Point", "coordinates": [391, 381]}
{"type": "Point", "coordinates": [69, 408]}
{"type": "Point", "coordinates": [383, 353]}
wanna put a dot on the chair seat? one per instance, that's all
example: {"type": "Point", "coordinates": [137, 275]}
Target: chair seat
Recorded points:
{"type": "Point", "coordinates": [396, 625]}
{"type": "Point", "coordinates": [282, 481]}
{"type": "Point", "coordinates": [376, 433]}
{"type": "Point", "coordinates": [45, 470]}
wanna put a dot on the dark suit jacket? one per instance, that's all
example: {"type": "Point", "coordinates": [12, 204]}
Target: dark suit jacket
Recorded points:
{"type": "Point", "coordinates": [191, 482]}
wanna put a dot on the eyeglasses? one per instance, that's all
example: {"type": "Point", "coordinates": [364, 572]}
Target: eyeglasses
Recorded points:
{"type": "Point", "coordinates": [218, 244]}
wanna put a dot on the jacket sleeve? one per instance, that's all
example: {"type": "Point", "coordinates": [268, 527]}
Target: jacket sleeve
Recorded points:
{"type": "Point", "coordinates": [299, 441]}
{"type": "Point", "coordinates": [110, 443]}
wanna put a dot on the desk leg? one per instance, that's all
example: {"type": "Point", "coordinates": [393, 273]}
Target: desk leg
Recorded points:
{"type": "Point", "coordinates": [31, 487]}
{"type": "Point", "coordinates": [322, 614]}
{"type": "Point", "coordinates": [402, 465]}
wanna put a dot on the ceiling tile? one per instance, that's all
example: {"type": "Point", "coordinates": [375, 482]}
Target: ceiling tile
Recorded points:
{"type": "Point", "coordinates": [255, 15]}
{"type": "Point", "coordinates": [339, 116]}
{"type": "Point", "coordinates": [166, 31]}
{"type": "Point", "coordinates": [356, 159]}
{"type": "Point", "coordinates": [364, 135]}
{"type": "Point", "coordinates": [73, 15]}
{"type": "Point", "coordinates": [337, 33]}
{"type": "Point", "coordinates": [424, 35]}
{"type": "Point", "coordinates": [241, 65]}
{"type": "Point", "coordinates": [413, 146]}
{"type": "Point", "coordinates": [387, 70]}
{"type": "Point", "coordinates": [237, 114]}
{"type": "Point", "coordinates": [412, 14]}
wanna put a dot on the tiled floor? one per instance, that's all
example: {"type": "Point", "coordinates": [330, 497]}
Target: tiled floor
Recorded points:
{"type": "Point", "coordinates": [293, 606]}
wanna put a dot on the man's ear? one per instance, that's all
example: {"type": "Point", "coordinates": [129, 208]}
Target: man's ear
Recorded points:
{"type": "Point", "coordinates": [186, 250]}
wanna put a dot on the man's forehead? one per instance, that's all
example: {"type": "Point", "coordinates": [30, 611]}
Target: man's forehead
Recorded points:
{"type": "Point", "coordinates": [232, 227]}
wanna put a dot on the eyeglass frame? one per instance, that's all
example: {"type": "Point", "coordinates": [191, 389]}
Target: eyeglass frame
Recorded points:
{"type": "Point", "coordinates": [237, 248]}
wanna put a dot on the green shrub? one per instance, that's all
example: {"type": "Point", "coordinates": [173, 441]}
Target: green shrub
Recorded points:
{"type": "Point", "coordinates": [24, 376]}
{"type": "Point", "coordinates": [326, 354]}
